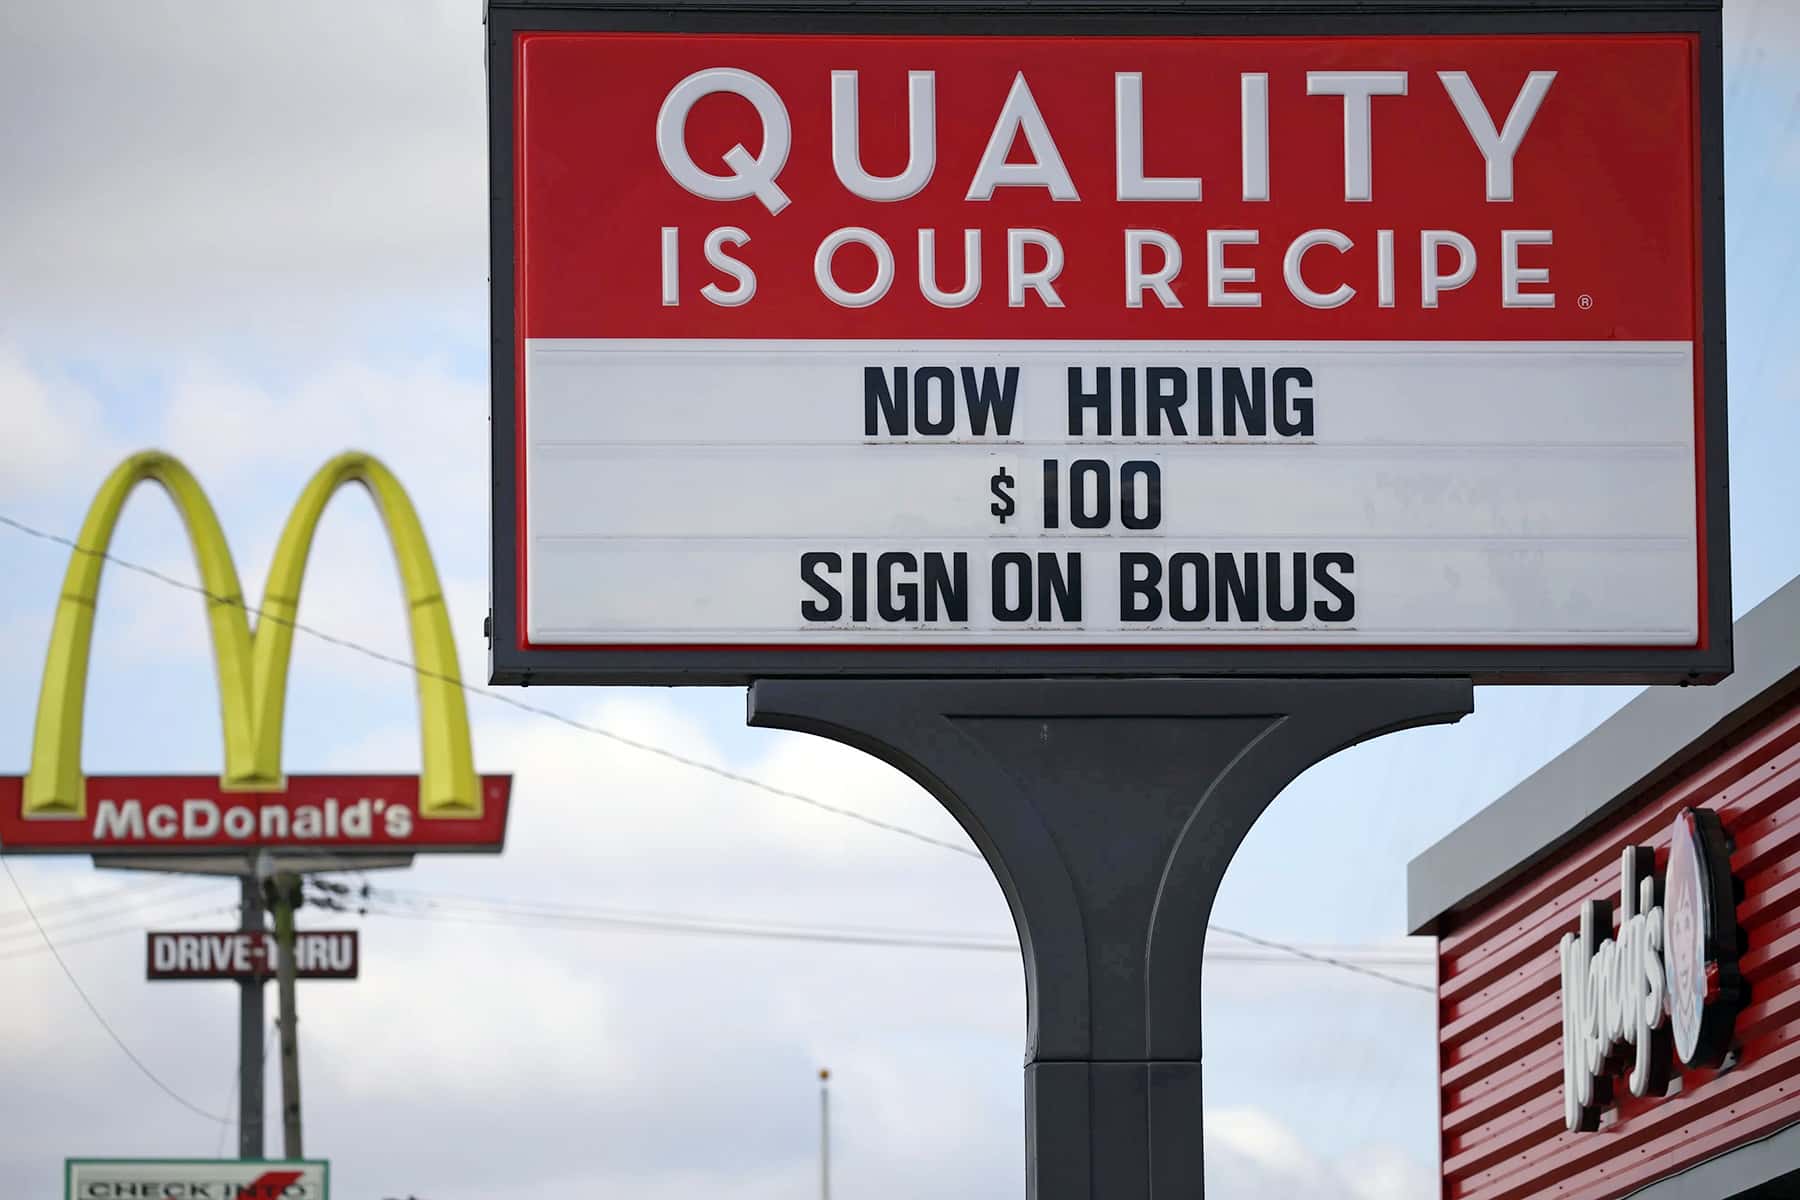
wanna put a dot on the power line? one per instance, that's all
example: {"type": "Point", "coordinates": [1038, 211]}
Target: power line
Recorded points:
{"type": "Point", "coordinates": [231, 1099]}
{"type": "Point", "coordinates": [230, 1103]}
{"type": "Point", "coordinates": [136, 926]}
{"type": "Point", "coordinates": [88, 1001]}
{"type": "Point", "coordinates": [469, 910]}
{"type": "Point", "coordinates": [550, 908]}
{"type": "Point", "coordinates": [525, 915]}
{"type": "Point", "coordinates": [136, 890]}
{"type": "Point", "coordinates": [1329, 960]}
{"type": "Point", "coordinates": [70, 922]}
{"type": "Point", "coordinates": [584, 726]}
{"type": "Point", "coordinates": [703, 931]}
{"type": "Point", "coordinates": [899, 939]}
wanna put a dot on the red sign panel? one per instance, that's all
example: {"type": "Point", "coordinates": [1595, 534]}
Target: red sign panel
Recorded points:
{"type": "Point", "coordinates": [189, 814]}
{"type": "Point", "coordinates": [1586, 142]}
{"type": "Point", "coordinates": [240, 954]}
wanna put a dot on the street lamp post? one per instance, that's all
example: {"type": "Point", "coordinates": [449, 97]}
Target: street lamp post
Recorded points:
{"type": "Point", "coordinates": [824, 1134]}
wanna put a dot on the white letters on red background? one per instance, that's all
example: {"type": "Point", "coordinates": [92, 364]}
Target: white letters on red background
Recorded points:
{"type": "Point", "coordinates": [746, 176]}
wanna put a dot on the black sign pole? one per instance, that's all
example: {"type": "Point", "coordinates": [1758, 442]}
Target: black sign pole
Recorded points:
{"type": "Point", "coordinates": [250, 1034]}
{"type": "Point", "coordinates": [1108, 810]}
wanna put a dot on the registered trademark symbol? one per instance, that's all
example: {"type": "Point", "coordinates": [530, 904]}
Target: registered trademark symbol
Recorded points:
{"type": "Point", "coordinates": [1585, 301]}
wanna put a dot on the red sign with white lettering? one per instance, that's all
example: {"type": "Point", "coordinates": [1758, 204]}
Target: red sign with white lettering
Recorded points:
{"type": "Point", "coordinates": [1232, 149]}
{"type": "Point", "coordinates": [193, 814]}
{"type": "Point", "coordinates": [241, 954]}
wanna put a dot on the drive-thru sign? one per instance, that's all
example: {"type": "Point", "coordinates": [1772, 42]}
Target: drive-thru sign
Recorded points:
{"type": "Point", "coordinates": [248, 954]}
{"type": "Point", "coordinates": [1102, 413]}
{"type": "Point", "coordinates": [932, 352]}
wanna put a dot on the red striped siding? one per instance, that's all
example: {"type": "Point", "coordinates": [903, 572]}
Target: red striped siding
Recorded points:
{"type": "Point", "coordinates": [1500, 1002]}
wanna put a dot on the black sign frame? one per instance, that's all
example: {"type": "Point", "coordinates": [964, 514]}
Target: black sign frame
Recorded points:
{"type": "Point", "coordinates": [266, 965]}
{"type": "Point", "coordinates": [511, 661]}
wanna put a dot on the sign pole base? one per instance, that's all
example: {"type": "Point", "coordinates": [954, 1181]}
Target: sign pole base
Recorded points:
{"type": "Point", "coordinates": [1108, 810]}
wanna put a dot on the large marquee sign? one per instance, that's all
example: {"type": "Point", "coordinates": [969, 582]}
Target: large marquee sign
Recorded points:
{"type": "Point", "coordinates": [253, 804]}
{"type": "Point", "coordinates": [956, 344]}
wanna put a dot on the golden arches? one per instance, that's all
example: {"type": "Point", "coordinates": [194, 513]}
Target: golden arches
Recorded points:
{"type": "Point", "coordinates": [54, 785]}
{"type": "Point", "coordinates": [449, 786]}
{"type": "Point", "coordinates": [252, 667]}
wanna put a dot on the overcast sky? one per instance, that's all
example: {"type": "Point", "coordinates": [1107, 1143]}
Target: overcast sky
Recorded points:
{"type": "Point", "coordinates": [255, 235]}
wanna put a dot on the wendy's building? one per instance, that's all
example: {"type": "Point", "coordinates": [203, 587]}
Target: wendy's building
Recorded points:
{"type": "Point", "coordinates": [1619, 951]}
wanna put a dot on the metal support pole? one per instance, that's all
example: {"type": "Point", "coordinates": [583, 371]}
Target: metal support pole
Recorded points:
{"type": "Point", "coordinates": [824, 1134]}
{"type": "Point", "coordinates": [286, 893]}
{"type": "Point", "coordinates": [250, 1035]}
{"type": "Point", "coordinates": [1108, 809]}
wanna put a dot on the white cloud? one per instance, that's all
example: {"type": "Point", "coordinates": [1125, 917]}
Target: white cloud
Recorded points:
{"type": "Point", "coordinates": [1380, 1173]}
{"type": "Point", "coordinates": [51, 430]}
{"type": "Point", "coordinates": [1253, 1154]}
{"type": "Point", "coordinates": [427, 423]}
{"type": "Point", "coordinates": [214, 169]}
{"type": "Point", "coordinates": [1258, 1138]}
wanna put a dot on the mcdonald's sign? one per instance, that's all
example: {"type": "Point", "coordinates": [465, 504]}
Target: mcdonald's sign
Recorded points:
{"type": "Point", "coordinates": [55, 808]}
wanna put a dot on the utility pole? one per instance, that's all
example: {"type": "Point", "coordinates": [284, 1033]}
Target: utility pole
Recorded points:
{"type": "Point", "coordinates": [250, 1033]}
{"type": "Point", "coordinates": [284, 896]}
{"type": "Point", "coordinates": [824, 1134]}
